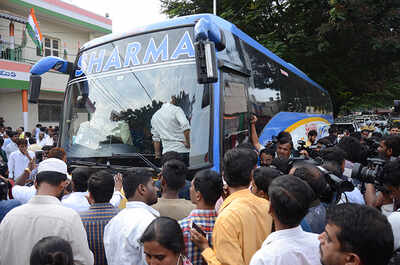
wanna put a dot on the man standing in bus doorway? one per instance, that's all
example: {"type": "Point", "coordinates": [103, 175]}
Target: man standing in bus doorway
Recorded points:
{"type": "Point", "coordinates": [170, 126]}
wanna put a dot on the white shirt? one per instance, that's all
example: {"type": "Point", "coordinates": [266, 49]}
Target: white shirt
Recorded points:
{"type": "Point", "coordinates": [23, 193]}
{"type": "Point", "coordinates": [168, 125]}
{"type": "Point", "coordinates": [17, 162]}
{"type": "Point", "coordinates": [290, 246]}
{"type": "Point", "coordinates": [11, 147]}
{"type": "Point", "coordinates": [76, 201]}
{"type": "Point", "coordinates": [42, 216]}
{"type": "Point", "coordinates": [122, 233]}
{"type": "Point", "coordinates": [79, 202]}
{"type": "Point", "coordinates": [354, 196]}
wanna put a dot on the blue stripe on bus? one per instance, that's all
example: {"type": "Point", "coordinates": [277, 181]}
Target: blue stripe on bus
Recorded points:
{"type": "Point", "coordinates": [216, 127]}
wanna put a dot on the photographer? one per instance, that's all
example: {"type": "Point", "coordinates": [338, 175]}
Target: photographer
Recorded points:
{"type": "Point", "coordinates": [389, 147]}
{"type": "Point", "coordinates": [389, 150]}
{"type": "Point", "coordinates": [334, 161]}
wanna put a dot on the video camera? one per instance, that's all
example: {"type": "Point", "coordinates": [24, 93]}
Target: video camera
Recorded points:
{"type": "Point", "coordinates": [371, 173]}
{"type": "Point", "coordinates": [336, 184]}
{"type": "Point", "coordinates": [312, 150]}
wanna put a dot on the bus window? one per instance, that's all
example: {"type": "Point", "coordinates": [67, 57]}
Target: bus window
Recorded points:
{"type": "Point", "coordinates": [235, 114]}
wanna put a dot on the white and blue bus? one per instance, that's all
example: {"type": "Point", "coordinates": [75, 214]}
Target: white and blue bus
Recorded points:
{"type": "Point", "coordinates": [119, 81]}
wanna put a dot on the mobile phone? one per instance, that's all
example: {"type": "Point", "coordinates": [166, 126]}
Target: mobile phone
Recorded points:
{"type": "Point", "coordinates": [198, 229]}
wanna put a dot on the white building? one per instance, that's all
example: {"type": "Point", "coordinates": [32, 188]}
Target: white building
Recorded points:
{"type": "Point", "coordinates": [65, 27]}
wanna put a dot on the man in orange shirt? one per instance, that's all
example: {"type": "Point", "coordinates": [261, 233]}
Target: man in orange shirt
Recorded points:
{"type": "Point", "coordinates": [243, 222]}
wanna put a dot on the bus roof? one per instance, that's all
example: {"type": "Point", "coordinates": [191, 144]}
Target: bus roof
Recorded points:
{"type": "Point", "coordinates": [188, 20]}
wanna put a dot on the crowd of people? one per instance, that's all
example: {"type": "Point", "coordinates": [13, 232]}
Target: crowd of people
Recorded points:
{"type": "Point", "coordinates": [332, 201]}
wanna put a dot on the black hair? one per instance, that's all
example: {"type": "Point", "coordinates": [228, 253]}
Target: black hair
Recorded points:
{"type": "Point", "coordinates": [313, 176]}
{"type": "Point", "coordinates": [283, 134]}
{"type": "Point", "coordinates": [47, 148]}
{"type": "Point", "coordinates": [52, 250]}
{"type": "Point", "coordinates": [324, 141]}
{"type": "Point", "coordinates": [246, 145]}
{"type": "Point", "coordinates": [377, 135]}
{"type": "Point", "coordinates": [352, 147]}
{"type": "Point", "coordinates": [312, 133]}
{"type": "Point", "coordinates": [263, 176]}
{"type": "Point", "coordinates": [28, 134]}
{"type": "Point", "coordinates": [101, 186]}
{"type": "Point", "coordinates": [332, 130]}
{"type": "Point", "coordinates": [268, 151]}
{"type": "Point", "coordinates": [170, 155]}
{"type": "Point", "coordinates": [285, 140]}
{"type": "Point", "coordinates": [281, 164]}
{"type": "Point", "coordinates": [167, 232]}
{"type": "Point", "coordinates": [333, 154]}
{"type": "Point", "coordinates": [50, 177]}
{"type": "Point", "coordinates": [363, 230]}
{"type": "Point", "coordinates": [391, 173]}
{"type": "Point", "coordinates": [1, 141]}
{"type": "Point", "coordinates": [393, 142]}
{"type": "Point", "coordinates": [290, 199]}
{"type": "Point", "coordinates": [20, 142]}
{"type": "Point", "coordinates": [238, 165]}
{"type": "Point", "coordinates": [80, 178]}
{"type": "Point", "coordinates": [134, 177]}
{"type": "Point", "coordinates": [32, 140]}
{"type": "Point", "coordinates": [209, 184]}
{"type": "Point", "coordinates": [38, 125]}
{"type": "Point", "coordinates": [174, 173]}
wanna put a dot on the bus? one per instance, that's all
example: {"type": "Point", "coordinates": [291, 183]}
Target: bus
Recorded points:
{"type": "Point", "coordinates": [119, 81]}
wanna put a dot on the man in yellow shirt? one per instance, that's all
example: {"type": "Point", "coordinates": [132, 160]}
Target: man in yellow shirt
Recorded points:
{"type": "Point", "coordinates": [243, 222]}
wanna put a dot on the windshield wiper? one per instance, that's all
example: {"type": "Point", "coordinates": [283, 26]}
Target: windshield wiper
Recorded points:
{"type": "Point", "coordinates": [142, 157]}
{"type": "Point", "coordinates": [99, 165]}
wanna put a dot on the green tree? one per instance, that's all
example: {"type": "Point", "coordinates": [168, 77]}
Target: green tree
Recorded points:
{"type": "Point", "coordinates": [350, 47]}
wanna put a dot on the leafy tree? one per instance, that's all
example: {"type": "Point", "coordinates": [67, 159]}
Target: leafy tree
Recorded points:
{"type": "Point", "coordinates": [351, 47]}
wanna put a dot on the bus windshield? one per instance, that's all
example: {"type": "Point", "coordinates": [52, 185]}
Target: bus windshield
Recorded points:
{"type": "Point", "coordinates": [110, 112]}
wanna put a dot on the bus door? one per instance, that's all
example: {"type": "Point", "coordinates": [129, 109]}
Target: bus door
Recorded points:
{"type": "Point", "coordinates": [234, 108]}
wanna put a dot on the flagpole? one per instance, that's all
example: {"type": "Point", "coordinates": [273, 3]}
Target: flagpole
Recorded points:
{"type": "Point", "coordinates": [215, 7]}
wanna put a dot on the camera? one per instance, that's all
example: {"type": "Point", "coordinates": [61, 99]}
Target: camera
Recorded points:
{"type": "Point", "coordinates": [371, 173]}
{"type": "Point", "coordinates": [337, 184]}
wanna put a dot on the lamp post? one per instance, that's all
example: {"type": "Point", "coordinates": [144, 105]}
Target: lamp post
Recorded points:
{"type": "Point", "coordinates": [215, 7]}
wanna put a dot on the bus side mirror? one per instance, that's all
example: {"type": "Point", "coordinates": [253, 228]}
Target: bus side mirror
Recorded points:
{"type": "Point", "coordinates": [34, 88]}
{"type": "Point", "coordinates": [206, 62]}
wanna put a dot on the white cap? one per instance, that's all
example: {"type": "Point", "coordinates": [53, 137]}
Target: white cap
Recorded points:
{"type": "Point", "coordinates": [53, 164]}
{"type": "Point", "coordinates": [394, 220]}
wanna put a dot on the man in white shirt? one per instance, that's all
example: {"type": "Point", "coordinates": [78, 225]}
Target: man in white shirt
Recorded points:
{"type": "Point", "coordinates": [78, 199]}
{"type": "Point", "coordinates": [122, 233]}
{"type": "Point", "coordinates": [19, 160]}
{"type": "Point", "coordinates": [290, 198]}
{"type": "Point", "coordinates": [170, 126]}
{"type": "Point", "coordinates": [11, 145]}
{"type": "Point", "coordinates": [43, 216]}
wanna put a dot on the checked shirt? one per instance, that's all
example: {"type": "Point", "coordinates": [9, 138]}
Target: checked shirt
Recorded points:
{"type": "Point", "coordinates": [206, 220]}
{"type": "Point", "coordinates": [94, 220]}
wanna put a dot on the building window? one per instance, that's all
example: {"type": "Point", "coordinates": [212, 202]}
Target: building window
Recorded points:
{"type": "Point", "coordinates": [51, 47]}
{"type": "Point", "coordinates": [49, 110]}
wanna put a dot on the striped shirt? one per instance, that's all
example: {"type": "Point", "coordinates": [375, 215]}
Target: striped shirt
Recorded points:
{"type": "Point", "coordinates": [94, 220]}
{"type": "Point", "coordinates": [206, 220]}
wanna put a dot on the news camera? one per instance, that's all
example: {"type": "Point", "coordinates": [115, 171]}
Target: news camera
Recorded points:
{"type": "Point", "coordinates": [371, 173]}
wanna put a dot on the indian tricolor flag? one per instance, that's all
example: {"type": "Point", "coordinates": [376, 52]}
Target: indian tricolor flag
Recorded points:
{"type": "Point", "coordinates": [34, 30]}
